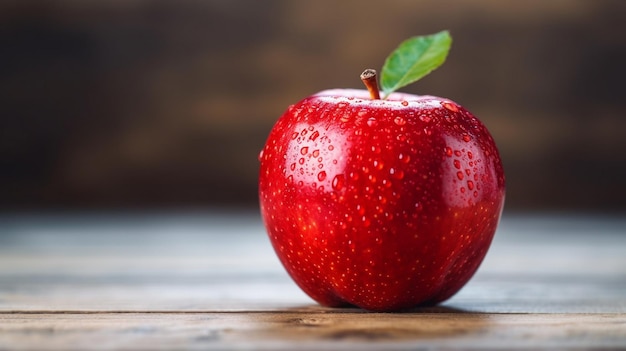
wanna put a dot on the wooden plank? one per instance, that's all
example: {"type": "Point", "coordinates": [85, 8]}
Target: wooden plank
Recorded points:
{"type": "Point", "coordinates": [313, 329]}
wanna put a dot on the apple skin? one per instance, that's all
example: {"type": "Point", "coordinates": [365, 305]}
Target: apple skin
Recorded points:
{"type": "Point", "coordinates": [381, 204]}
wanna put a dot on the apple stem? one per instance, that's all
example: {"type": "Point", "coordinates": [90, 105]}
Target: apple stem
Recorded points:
{"type": "Point", "coordinates": [369, 79]}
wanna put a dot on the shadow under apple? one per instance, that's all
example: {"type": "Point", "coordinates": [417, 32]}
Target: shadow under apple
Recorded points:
{"type": "Point", "coordinates": [317, 323]}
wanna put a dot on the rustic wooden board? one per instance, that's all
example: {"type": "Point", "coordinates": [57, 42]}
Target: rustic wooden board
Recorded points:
{"type": "Point", "coordinates": [309, 329]}
{"type": "Point", "coordinates": [211, 281]}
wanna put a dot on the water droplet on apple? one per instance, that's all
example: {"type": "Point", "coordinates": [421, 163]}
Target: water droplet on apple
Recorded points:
{"type": "Point", "coordinates": [470, 155]}
{"type": "Point", "coordinates": [338, 182]}
{"type": "Point", "coordinates": [459, 175]}
{"type": "Point", "coordinates": [378, 165]}
{"type": "Point", "coordinates": [315, 135]}
{"type": "Point", "coordinates": [294, 135]}
{"type": "Point", "coordinates": [405, 103]}
{"type": "Point", "coordinates": [372, 122]}
{"type": "Point", "coordinates": [366, 221]}
{"type": "Point", "coordinates": [321, 176]}
{"type": "Point", "coordinates": [292, 166]}
{"type": "Point", "coordinates": [351, 244]}
{"type": "Point", "coordinates": [396, 173]}
{"type": "Point", "coordinates": [360, 210]}
{"type": "Point", "coordinates": [404, 158]}
{"type": "Point", "coordinates": [331, 148]}
{"type": "Point", "coordinates": [316, 153]}
{"type": "Point", "coordinates": [399, 121]}
{"type": "Point", "coordinates": [382, 200]}
{"type": "Point", "coordinates": [450, 106]}
{"type": "Point", "coordinates": [301, 160]}
{"type": "Point", "coordinates": [448, 151]}
{"type": "Point", "coordinates": [470, 185]}
{"type": "Point", "coordinates": [457, 153]}
{"type": "Point", "coordinates": [457, 164]}
{"type": "Point", "coordinates": [466, 138]}
{"type": "Point", "coordinates": [304, 150]}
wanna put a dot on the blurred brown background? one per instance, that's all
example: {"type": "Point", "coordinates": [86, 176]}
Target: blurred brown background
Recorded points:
{"type": "Point", "coordinates": [166, 104]}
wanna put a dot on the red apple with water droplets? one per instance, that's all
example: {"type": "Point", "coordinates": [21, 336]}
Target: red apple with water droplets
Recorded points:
{"type": "Point", "coordinates": [381, 204]}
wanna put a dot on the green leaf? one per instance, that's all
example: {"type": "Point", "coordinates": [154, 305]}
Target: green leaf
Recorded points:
{"type": "Point", "coordinates": [414, 59]}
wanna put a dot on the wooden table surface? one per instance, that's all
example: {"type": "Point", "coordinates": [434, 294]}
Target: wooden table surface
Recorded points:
{"type": "Point", "coordinates": [211, 281]}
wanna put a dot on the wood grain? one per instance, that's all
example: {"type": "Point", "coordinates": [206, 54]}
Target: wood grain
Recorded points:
{"type": "Point", "coordinates": [309, 329]}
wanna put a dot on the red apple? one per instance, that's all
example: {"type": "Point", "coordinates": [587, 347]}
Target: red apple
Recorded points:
{"type": "Point", "coordinates": [382, 204]}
